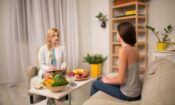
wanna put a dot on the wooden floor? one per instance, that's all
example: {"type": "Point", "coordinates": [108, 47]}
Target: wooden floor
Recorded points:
{"type": "Point", "coordinates": [13, 95]}
{"type": "Point", "coordinates": [18, 95]}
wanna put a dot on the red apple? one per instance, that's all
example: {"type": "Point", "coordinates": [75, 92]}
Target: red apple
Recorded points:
{"type": "Point", "coordinates": [77, 76]}
{"type": "Point", "coordinates": [71, 73]}
{"type": "Point", "coordinates": [85, 74]}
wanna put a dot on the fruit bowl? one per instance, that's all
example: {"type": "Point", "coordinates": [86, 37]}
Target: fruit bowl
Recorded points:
{"type": "Point", "coordinates": [79, 74]}
{"type": "Point", "coordinates": [81, 79]}
{"type": "Point", "coordinates": [55, 83]}
{"type": "Point", "coordinates": [56, 89]}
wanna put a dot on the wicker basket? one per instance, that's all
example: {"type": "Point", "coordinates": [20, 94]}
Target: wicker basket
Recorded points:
{"type": "Point", "coordinates": [56, 89]}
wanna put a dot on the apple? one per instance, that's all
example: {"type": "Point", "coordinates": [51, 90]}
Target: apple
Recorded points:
{"type": "Point", "coordinates": [78, 76]}
{"type": "Point", "coordinates": [71, 73]}
{"type": "Point", "coordinates": [85, 74]}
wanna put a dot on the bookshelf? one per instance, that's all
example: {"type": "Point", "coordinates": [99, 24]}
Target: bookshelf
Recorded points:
{"type": "Point", "coordinates": [138, 18]}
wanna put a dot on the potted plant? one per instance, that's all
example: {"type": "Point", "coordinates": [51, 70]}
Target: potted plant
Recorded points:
{"type": "Point", "coordinates": [102, 18]}
{"type": "Point", "coordinates": [95, 62]}
{"type": "Point", "coordinates": [162, 41]}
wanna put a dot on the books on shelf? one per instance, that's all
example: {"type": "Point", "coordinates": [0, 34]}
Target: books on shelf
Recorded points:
{"type": "Point", "coordinates": [127, 15]}
{"type": "Point", "coordinates": [130, 12]}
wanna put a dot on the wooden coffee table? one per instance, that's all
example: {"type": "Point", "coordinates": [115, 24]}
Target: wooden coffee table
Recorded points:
{"type": "Point", "coordinates": [58, 95]}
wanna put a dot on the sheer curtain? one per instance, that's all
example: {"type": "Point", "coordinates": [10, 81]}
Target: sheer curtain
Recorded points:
{"type": "Point", "coordinates": [29, 22]}
{"type": "Point", "coordinates": [71, 33]}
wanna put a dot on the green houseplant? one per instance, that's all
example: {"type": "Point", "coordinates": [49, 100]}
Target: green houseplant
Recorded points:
{"type": "Point", "coordinates": [164, 39]}
{"type": "Point", "coordinates": [95, 62]}
{"type": "Point", "coordinates": [94, 59]}
{"type": "Point", "coordinates": [102, 18]}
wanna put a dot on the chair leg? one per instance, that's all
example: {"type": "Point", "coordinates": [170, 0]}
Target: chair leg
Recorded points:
{"type": "Point", "coordinates": [31, 99]}
{"type": "Point", "coordinates": [67, 97]}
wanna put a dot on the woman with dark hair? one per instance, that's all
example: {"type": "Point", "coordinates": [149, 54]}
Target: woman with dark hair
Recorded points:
{"type": "Point", "coordinates": [126, 85]}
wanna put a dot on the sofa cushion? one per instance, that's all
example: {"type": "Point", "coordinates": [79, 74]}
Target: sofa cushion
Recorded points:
{"type": "Point", "coordinates": [101, 98]}
{"type": "Point", "coordinates": [159, 84]}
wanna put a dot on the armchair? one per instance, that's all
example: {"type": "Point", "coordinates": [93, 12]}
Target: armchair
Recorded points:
{"type": "Point", "coordinates": [32, 79]}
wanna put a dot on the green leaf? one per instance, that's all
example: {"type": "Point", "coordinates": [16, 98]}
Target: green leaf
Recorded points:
{"type": "Point", "coordinates": [94, 59]}
{"type": "Point", "coordinates": [151, 28]}
{"type": "Point", "coordinates": [59, 80]}
{"type": "Point", "coordinates": [102, 17]}
{"type": "Point", "coordinates": [166, 31]}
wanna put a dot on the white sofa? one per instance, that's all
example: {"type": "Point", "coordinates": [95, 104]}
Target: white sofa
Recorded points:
{"type": "Point", "coordinates": [158, 87]}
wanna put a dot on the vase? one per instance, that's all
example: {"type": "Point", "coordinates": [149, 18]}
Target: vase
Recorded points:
{"type": "Point", "coordinates": [103, 24]}
{"type": "Point", "coordinates": [95, 70]}
{"type": "Point", "coordinates": [161, 46]}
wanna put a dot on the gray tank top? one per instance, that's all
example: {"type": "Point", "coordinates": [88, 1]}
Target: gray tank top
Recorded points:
{"type": "Point", "coordinates": [131, 86]}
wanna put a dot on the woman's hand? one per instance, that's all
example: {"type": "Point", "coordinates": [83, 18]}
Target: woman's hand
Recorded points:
{"type": "Point", "coordinates": [61, 71]}
{"type": "Point", "coordinates": [51, 68]}
{"type": "Point", "coordinates": [48, 75]}
{"type": "Point", "coordinates": [105, 79]}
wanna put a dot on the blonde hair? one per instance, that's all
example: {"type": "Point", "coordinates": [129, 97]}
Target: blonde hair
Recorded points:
{"type": "Point", "coordinates": [50, 33]}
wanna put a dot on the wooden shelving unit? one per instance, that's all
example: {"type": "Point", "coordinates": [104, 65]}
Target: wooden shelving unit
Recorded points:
{"type": "Point", "coordinates": [139, 19]}
{"type": "Point", "coordinates": [127, 18]}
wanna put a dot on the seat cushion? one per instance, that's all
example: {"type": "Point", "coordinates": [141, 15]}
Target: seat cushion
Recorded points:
{"type": "Point", "coordinates": [159, 84]}
{"type": "Point", "coordinates": [101, 98]}
{"type": "Point", "coordinates": [35, 81]}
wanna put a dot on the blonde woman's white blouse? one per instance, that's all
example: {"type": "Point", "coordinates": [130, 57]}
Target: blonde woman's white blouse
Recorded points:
{"type": "Point", "coordinates": [45, 56]}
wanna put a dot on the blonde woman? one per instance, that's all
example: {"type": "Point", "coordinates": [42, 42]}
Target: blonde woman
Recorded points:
{"type": "Point", "coordinates": [51, 55]}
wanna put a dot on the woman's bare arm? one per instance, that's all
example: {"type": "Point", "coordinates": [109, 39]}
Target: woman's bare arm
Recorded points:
{"type": "Point", "coordinates": [119, 79]}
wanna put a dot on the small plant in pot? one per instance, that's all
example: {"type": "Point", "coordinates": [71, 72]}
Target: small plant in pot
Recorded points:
{"type": "Point", "coordinates": [102, 18]}
{"type": "Point", "coordinates": [162, 41]}
{"type": "Point", "coordinates": [95, 61]}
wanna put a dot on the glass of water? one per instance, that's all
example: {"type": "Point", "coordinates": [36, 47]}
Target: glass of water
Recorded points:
{"type": "Point", "coordinates": [71, 80]}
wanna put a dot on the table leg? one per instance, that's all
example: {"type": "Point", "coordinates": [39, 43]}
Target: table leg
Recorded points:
{"type": "Point", "coordinates": [69, 98]}
{"type": "Point", "coordinates": [31, 99]}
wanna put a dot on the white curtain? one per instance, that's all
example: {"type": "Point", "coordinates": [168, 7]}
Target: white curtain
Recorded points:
{"type": "Point", "coordinates": [71, 33]}
{"type": "Point", "coordinates": [29, 22]}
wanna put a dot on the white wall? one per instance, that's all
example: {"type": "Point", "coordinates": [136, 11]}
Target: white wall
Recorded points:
{"type": "Point", "coordinates": [100, 36]}
{"type": "Point", "coordinates": [161, 13]}
{"type": "Point", "coordinates": [97, 40]}
{"type": "Point", "coordinates": [84, 20]}
{"type": "Point", "coordinates": [3, 31]}
{"type": "Point", "coordinates": [93, 38]}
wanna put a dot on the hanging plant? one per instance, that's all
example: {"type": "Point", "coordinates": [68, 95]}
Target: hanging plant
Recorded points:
{"type": "Point", "coordinates": [102, 18]}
